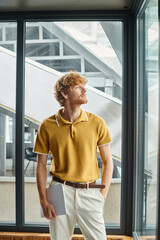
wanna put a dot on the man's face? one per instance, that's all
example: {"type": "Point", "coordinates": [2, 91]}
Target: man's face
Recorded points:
{"type": "Point", "coordinates": [77, 95]}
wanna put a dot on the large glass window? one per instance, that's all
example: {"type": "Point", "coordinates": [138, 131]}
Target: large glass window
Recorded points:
{"type": "Point", "coordinates": [7, 120]}
{"type": "Point", "coordinates": [95, 50]}
{"type": "Point", "coordinates": [147, 119]}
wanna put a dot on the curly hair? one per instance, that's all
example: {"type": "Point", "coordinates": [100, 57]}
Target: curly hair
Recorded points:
{"type": "Point", "coordinates": [66, 83]}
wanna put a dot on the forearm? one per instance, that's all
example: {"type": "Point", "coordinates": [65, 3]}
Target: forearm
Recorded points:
{"type": "Point", "coordinates": [41, 176]}
{"type": "Point", "coordinates": [107, 171]}
{"type": "Point", "coordinates": [107, 168]}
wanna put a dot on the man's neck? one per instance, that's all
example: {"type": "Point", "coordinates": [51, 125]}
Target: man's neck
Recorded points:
{"type": "Point", "coordinates": [71, 114]}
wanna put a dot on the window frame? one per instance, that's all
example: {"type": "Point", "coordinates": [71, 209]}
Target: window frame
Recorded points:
{"type": "Point", "coordinates": [127, 18]}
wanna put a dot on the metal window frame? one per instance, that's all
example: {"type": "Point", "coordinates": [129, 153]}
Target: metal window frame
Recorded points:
{"type": "Point", "coordinates": [127, 18]}
{"type": "Point", "coordinates": [140, 128]}
{"type": "Point", "coordinates": [20, 90]}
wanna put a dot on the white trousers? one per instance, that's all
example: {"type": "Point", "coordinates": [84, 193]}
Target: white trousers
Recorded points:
{"type": "Point", "coordinates": [84, 207]}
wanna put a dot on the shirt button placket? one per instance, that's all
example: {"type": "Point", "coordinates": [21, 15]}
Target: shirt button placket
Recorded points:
{"type": "Point", "coordinates": [71, 130]}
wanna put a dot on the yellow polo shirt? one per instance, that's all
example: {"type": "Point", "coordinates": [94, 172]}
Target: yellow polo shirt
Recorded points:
{"type": "Point", "coordinates": [73, 145]}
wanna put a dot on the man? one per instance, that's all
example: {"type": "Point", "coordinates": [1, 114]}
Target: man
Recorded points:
{"type": "Point", "coordinates": [72, 136]}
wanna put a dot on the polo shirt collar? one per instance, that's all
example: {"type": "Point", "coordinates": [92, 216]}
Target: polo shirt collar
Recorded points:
{"type": "Point", "coordinates": [61, 121]}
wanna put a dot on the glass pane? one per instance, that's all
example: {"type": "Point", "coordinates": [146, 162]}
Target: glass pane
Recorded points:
{"type": "Point", "coordinates": [10, 34]}
{"type": "Point", "coordinates": [92, 49]}
{"type": "Point", "coordinates": [42, 49]}
{"type": "Point", "coordinates": [63, 65]}
{"type": "Point", "coordinates": [32, 33]}
{"type": "Point", "coordinates": [7, 121]}
{"type": "Point", "coordinates": [147, 132]}
{"type": "Point", "coordinates": [67, 51]}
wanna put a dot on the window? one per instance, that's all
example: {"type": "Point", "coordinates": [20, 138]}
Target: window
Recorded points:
{"type": "Point", "coordinates": [147, 119]}
{"type": "Point", "coordinates": [97, 52]}
{"type": "Point", "coordinates": [91, 49]}
{"type": "Point", "coordinates": [7, 122]}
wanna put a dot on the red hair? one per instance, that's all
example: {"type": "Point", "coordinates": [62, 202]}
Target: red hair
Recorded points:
{"type": "Point", "coordinates": [66, 83]}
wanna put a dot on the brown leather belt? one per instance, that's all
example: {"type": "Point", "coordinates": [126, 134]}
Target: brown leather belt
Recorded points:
{"type": "Point", "coordinates": [79, 185]}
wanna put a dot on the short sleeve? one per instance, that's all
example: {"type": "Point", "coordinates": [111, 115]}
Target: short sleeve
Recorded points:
{"type": "Point", "coordinates": [41, 143]}
{"type": "Point", "coordinates": [104, 136]}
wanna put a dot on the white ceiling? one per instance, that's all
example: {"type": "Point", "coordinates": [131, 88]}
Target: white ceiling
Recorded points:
{"type": "Point", "coordinates": [44, 5]}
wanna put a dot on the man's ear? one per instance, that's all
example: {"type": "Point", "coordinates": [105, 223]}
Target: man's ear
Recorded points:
{"type": "Point", "coordinates": [64, 95]}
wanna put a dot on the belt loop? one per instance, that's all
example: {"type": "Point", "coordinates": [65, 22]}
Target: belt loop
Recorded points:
{"type": "Point", "coordinates": [64, 182]}
{"type": "Point", "coordinates": [87, 185]}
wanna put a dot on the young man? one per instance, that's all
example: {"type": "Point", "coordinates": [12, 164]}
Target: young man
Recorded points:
{"type": "Point", "coordinates": [72, 135]}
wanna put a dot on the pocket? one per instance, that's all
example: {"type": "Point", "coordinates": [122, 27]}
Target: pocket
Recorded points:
{"type": "Point", "coordinates": [91, 200]}
{"type": "Point", "coordinates": [101, 196]}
